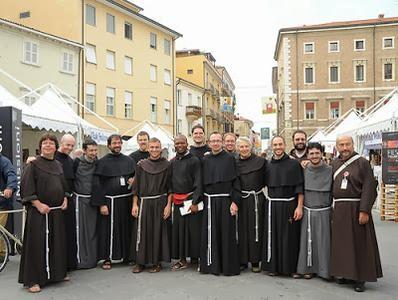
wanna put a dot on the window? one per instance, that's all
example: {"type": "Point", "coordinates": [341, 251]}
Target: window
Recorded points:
{"type": "Point", "coordinates": [128, 65]}
{"type": "Point", "coordinates": [359, 45]}
{"type": "Point", "coordinates": [153, 42]}
{"type": "Point", "coordinates": [90, 96]}
{"type": "Point", "coordinates": [309, 75]}
{"type": "Point", "coordinates": [189, 71]}
{"type": "Point", "coordinates": [179, 97]}
{"type": "Point", "coordinates": [334, 74]}
{"type": "Point", "coordinates": [67, 62]}
{"type": "Point", "coordinates": [90, 15]}
{"type": "Point", "coordinates": [110, 101]}
{"type": "Point", "coordinates": [128, 31]}
{"type": "Point", "coordinates": [91, 56]}
{"type": "Point", "coordinates": [167, 47]}
{"type": "Point", "coordinates": [199, 99]}
{"type": "Point", "coordinates": [189, 99]}
{"type": "Point", "coordinates": [31, 53]}
{"type": "Point", "coordinates": [309, 110]}
{"type": "Point", "coordinates": [153, 108]}
{"type": "Point", "coordinates": [360, 106]}
{"type": "Point", "coordinates": [110, 23]}
{"type": "Point", "coordinates": [388, 42]}
{"type": "Point", "coordinates": [110, 60]}
{"type": "Point", "coordinates": [359, 73]}
{"type": "Point", "coordinates": [334, 110]}
{"type": "Point", "coordinates": [334, 46]}
{"type": "Point", "coordinates": [128, 102]}
{"type": "Point", "coordinates": [179, 126]}
{"type": "Point", "coordinates": [388, 71]}
{"type": "Point", "coordinates": [167, 77]}
{"type": "Point", "coordinates": [153, 72]}
{"type": "Point", "coordinates": [309, 48]}
{"type": "Point", "coordinates": [166, 111]}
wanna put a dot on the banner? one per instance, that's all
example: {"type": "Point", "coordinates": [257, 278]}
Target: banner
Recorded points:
{"type": "Point", "coordinates": [268, 105]}
{"type": "Point", "coordinates": [265, 133]}
{"type": "Point", "coordinates": [390, 157]}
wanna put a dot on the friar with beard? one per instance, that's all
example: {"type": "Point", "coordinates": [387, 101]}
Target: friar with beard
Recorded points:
{"type": "Point", "coordinates": [152, 210]}
{"type": "Point", "coordinates": [186, 186]}
{"type": "Point", "coordinates": [199, 148]}
{"type": "Point", "coordinates": [112, 193]}
{"type": "Point", "coordinates": [299, 152]}
{"type": "Point", "coordinates": [283, 211]}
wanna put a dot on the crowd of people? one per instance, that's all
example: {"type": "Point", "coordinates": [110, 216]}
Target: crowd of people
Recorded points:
{"type": "Point", "coordinates": [216, 206]}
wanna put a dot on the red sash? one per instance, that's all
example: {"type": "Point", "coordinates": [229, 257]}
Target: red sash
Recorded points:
{"type": "Point", "coordinates": [178, 199]}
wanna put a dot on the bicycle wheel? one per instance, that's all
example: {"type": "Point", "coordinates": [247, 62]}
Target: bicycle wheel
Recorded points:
{"type": "Point", "coordinates": [4, 250]}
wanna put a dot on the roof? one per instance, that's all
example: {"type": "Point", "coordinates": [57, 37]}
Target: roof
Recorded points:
{"type": "Point", "coordinates": [38, 32]}
{"type": "Point", "coordinates": [381, 20]}
{"type": "Point", "coordinates": [182, 80]}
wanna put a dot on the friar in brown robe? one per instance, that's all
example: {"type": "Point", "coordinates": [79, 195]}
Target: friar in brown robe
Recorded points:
{"type": "Point", "coordinates": [354, 250]}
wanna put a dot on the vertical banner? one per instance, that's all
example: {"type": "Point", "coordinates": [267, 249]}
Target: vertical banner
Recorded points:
{"type": "Point", "coordinates": [390, 157]}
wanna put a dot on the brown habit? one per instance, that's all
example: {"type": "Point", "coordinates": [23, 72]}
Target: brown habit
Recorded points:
{"type": "Point", "coordinates": [354, 250]}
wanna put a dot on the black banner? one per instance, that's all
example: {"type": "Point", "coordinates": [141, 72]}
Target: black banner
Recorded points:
{"type": "Point", "coordinates": [390, 157]}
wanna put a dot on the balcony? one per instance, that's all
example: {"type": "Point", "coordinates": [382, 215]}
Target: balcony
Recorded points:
{"type": "Point", "coordinates": [193, 112]}
{"type": "Point", "coordinates": [211, 113]}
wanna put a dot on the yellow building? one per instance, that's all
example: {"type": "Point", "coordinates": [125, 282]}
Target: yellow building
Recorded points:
{"type": "Point", "coordinates": [127, 72]}
{"type": "Point", "coordinates": [200, 68]}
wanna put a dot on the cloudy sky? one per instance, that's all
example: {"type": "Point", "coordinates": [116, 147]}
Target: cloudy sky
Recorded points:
{"type": "Point", "coordinates": [242, 35]}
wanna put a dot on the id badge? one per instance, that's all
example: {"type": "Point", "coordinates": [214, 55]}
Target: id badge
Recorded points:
{"type": "Point", "coordinates": [344, 183]}
{"type": "Point", "coordinates": [122, 181]}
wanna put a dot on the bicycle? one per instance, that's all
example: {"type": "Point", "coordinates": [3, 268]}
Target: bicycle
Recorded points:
{"type": "Point", "coordinates": [6, 237]}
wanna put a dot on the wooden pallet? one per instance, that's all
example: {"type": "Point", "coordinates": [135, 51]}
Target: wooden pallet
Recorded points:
{"type": "Point", "coordinates": [389, 202]}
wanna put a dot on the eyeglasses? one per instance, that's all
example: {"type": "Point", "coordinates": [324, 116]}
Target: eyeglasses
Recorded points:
{"type": "Point", "coordinates": [215, 141]}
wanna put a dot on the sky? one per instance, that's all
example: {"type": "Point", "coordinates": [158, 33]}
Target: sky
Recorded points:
{"type": "Point", "coordinates": [242, 35]}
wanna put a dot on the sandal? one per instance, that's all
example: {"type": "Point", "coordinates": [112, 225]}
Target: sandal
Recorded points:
{"type": "Point", "coordinates": [156, 269]}
{"type": "Point", "coordinates": [308, 276]}
{"type": "Point", "coordinates": [106, 265]}
{"type": "Point", "coordinates": [67, 278]}
{"type": "Point", "coordinates": [272, 274]}
{"type": "Point", "coordinates": [296, 276]}
{"type": "Point", "coordinates": [137, 269]}
{"type": "Point", "coordinates": [179, 266]}
{"type": "Point", "coordinates": [34, 289]}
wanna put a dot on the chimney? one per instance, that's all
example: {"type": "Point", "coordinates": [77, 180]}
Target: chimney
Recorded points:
{"type": "Point", "coordinates": [381, 16]}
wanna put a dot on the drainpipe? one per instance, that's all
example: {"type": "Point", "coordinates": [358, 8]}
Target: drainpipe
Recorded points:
{"type": "Point", "coordinates": [82, 61]}
{"type": "Point", "coordinates": [374, 64]}
{"type": "Point", "coordinates": [174, 88]}
{"type": "Point", "coordinates": [297, 84]}
{"type": "Point", "coordinates": [176, 108]}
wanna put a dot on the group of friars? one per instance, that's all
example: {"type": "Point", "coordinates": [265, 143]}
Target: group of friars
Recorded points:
{"type": "Point", "coordinates": [217, 205]}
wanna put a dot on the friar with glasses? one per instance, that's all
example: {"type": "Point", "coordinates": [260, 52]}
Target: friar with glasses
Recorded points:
{"type": "Point", "coordinates": [85, 213]}
{"type": "Point", "coordinates": [112, 194]}
{"type": "Point", "coordinates": [229, 144]}
{"type": "Point", "coordinates": [219, 246]}
{"type": "Point", "coordinates": [44, 194]}
{"type": "Point", "coordinates": [314, 257]}
{"type": "Point", "coordinates": [283, 212]}
{"type": "Point", "coordinates": [252, 175]}
{"type": "Point", "coordinates": [142, 152]}
{"type": "Point", "coordinates": [152, 209]}
{"type": "Point", "coordinates": [186, 186]}
{"type": "Point", "coordinates": [199, 146]}
{"type": "Point", "coordinates": [354, 251]}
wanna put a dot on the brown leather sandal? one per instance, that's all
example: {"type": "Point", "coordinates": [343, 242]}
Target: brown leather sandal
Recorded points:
{"type": "Point", "coordinates": [137, 269]}
{"type": "Point", "coordinates": [34, 289]}
{"type": "Point", "coordinates": [156, 268]}
{"type": "Point", "coordinates": [106, 265]}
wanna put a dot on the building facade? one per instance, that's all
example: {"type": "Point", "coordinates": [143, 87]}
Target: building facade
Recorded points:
{"type": "Point", "coordinates": [325, 70]}
{"type": "Point", "coordinates": [200, 68]}
{"type": "Point", "coordinates": [35, 58]}
{"type": "Point", "coordinates": [243, 126]}
{"type": "Point", "coordinates": [128, 64]}
{"type": "Point", "coordinates": [189, 107]}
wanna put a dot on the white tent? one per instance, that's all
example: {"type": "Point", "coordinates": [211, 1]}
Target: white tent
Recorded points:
{"type": "Point", "coordinates": [318, 136]}
{"type": "Point", "coordinates": [153, 130]}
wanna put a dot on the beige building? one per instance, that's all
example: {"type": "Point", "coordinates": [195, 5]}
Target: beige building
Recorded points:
{"type": "Point", "coordinates": [200, 68]}
{"type": "Point", "coordinates": [128, 67]}
{"type": "Point", "coordinates": [35, 58]}
{"type": "Point", "coordinates": [324, 70]}
{"type": "Point", "coordinates": [243, 126]}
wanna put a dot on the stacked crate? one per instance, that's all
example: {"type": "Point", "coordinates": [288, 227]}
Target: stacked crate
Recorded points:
{"type": "Point", "coordinates": [389, 202]}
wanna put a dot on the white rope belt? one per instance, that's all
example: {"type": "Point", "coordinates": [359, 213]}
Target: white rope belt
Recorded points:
{"type": "Point", "coordinates": [309, 239]}
{"type": "Point", "coordinates": [112, 219]}
{"type": "Point", "coordinates": [209, 196]}
{"type": "Point", "coordinates": [47, 242]}
{"type": "Point", "coordinates": [255, 194]}
{"type": "Point", "coordinates": [137, 245]}
{"type": "Point", "coordinates": [270, 200]}
{"type": "Point", "coordinates": [77, 222]}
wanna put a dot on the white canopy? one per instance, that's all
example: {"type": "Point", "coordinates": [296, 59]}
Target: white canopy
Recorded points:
{"type": "Point", "coordinates": [153, 130]}
{"type": "Point", "coordinates": [318, 136]}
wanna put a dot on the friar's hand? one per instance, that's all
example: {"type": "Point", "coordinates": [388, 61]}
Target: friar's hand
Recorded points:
{"type": "Point", "coordinates": [363, 218]}
{"type": "Point", "coordinates": [7, 193]}
{"type": "Point", "coordinates": [304, 163]}
{"type": "Point", "coordinates": [41, 207]}
{"type": "Point", "coordinates": [104, 210]}
{"type": "Point", "coordinates": [298, 213]}
{"type": "Point", "coordinates": [64, 205]}
{"type": "Point", "coordinates": [233, 209]}
{"type": "Point", "coordinates": [193, 208]}
{"type": "Point", "coordinates": [167, 211]}
{"type": "Point", "coordinates": [134, 210]}
{"type": "Point", "coordinates": [130, 181]}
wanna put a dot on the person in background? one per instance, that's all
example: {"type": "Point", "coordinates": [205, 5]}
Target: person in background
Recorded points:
{"type": "Point", "coordinates": [142, 152]}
